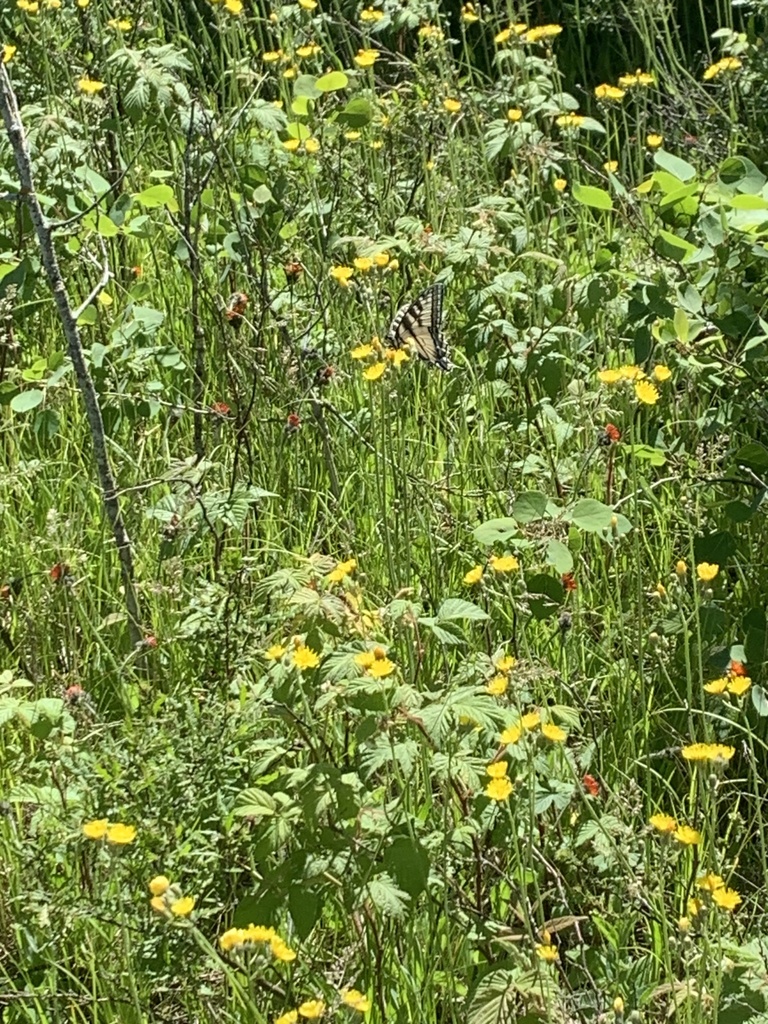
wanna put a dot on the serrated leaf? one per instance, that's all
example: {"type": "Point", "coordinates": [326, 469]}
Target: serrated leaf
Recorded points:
{"type": "Point", "coordinates": [387, 898]}
{"type": "Point", "coordinates": [255, 803]}
{"type": "Point", "coordinates": [457, 609]}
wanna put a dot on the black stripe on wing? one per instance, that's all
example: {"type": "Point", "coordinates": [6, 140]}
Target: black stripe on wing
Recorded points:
{"type": "Point", "coordinates": [419, 324]}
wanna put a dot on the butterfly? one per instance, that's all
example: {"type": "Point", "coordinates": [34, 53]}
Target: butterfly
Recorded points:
{"type": "Point", "coordinates": [420, 324]}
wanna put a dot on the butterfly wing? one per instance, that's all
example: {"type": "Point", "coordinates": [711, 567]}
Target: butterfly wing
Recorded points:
{"type": "Point", "coordinates": [420, 324]}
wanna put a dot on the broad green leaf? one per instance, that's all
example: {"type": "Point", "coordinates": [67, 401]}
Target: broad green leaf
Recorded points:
{"type": "Point", "coordinates": [672, 246]}
{"type": "Point", "coordinates": [674, 165]}
{"type": "Point", "coordinates": [26, 401]}
{"type": "Point", "coordinates": [496, 530]}
{"type": "Point", "coordinates": [255, 803]}
{"type": "Point", "coordinates": [681, 325]}
{"type": "Point", "coordinates": [300, 105]}
{"type": "Point", "coordinates": [654, 456]}
{"type": "Point", "coordinates": [759, 700]}
{"type": "Point", "coordinates": [101, 224]}
{"type": "Point", "coordinates": [332, 82]}
{"type": "Point", "coordinates": [298, 131]}
{"type": "Point", "coordinates": [158, 195]}
{"type": "Point", "coordinates": [592, 516]}
{"type": "Point", "coordinates": [748, 202]}
{"type": "Point", "coordinates": [589, 195]}
{"type": "Point", "coordinates": [559, 556]}
{"type": "Point", "coordinates": [754, 455]}
{"type": "Point", "coordinates": [306, 85]}
{"type": "Point", "coordinates": [457, 608]}
{"type": "Point", "coordinates": [356, 114]}
{"type": "Point", "coordinates": [529, 506]}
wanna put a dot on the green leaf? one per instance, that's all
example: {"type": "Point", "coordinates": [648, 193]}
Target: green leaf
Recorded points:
{"type": "Point", "coordinates": [456, 608]}
{"type": "Point", "coordinates": [672, 246]}
{"type": "Point", "coordinates": [158, 195]}
{"type": "Point", "coordinates": [592, 516]}
{"type": "Point", "coordinates": [408, 862]}
{"type": "Point", "coordinates": [306, 85]}
{"type": "Point", "coordinates": [753, 455]}
{"type": "Point", "coordinates": [101, 224]}
{"type": "Point", "coordinates": [653, 456]}
{"type": "Point", "coordinates": [529, 506]}
{"type": "Point", "coordinates": [496, 531]}
{"type": "Point", "coordinates": [332, 82]}
{"type": "Point", "coordinates": [674, 165]}
{"type": "Point", "coordinates": [589, 195]}
{"type": "Point", "coordinates": [759, 700]}
{"type": "Point", "coordinates": [356, 114]}
{"type": "Point", "coordinates": [26, 401]}
{"type": "Point", "coordinates": [255, 803]}
{"type": "Point", "coordinates": [387, 898]}
{"type": "Point", "coordinates": [559, 556]}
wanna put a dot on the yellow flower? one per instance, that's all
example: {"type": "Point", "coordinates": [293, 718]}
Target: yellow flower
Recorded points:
{"type": "Point", "coordinates": [706, 571]}
{"type": "Point", "coordinates": [352, 136]}
{"type": "Point", "coordinates": [120, 24]}
{"type": "Point", "coordinates": [681, 568]}
{"type": "Point", "coordinates": [507, 563]}
{"type": "Point", "coordinates": [366, 58]}
{"type": "Point", "coordinates": [308, 5]}
{"type": "Point", "coordinates": [82, 3]}
{"type": "Point", "coordinates": [473, 576]}
{"type": "Point", "coordinates": [514, 114]}
{"type": "Point", "coordinates": [726, 899]}
{"type": "Point", "coordinates": [569, 121]}
{"type": "Point", "coordinates": [687, 836]}
{"type": "Point", "coordinates": [312, 1009]}
{"type": "Point", "coordinates": [259, 933]}
{"type": "Point", "coordinates": [291, 145]}
{"type": "Point", "coordinates": [716, 752]}
{"type": "Point", "coordinates": [502, 37]}
{"type": "Point", "coordinates": [499, 789]}
{"type": "Point", "coordinates": [96, 829]}
{"type": "Point", "coordinates": [497, 770]}
{"type": "Point", "coordinates": [381, 259]}
{"type": "Point", "coordinates": [341, 275]}
{"type": "Point", "coordinates": [234, 7]}
{"type": "Point", "coordinates": [452, 106]}
{"type": "Point", "coordinates": [342, 570]}
{"type": "Point", "coordinates": [29, 6]}
{"type": "Point", "coordinates": [365, 659]}
{"type": "Point", "coordinates": [560, 184]}
{"type": "Point", "coordinates": [535, 35]}
{"type": "Point", "coordinates": [282, 951]}
{"type": "Point", "coordinates": [640, 78]}
{"type": "Point", "coordinates": [547, 952]}
{"type": "Point", "coordinates": [375, 371]}
{"type": "Point", "coordinates": [381, 668]}
{"type": "Point", "coordinates": [498, 685]}
{"type": "Point", "coordinates": [275, 652]}
{"type": "Point", "coordinates": [362, 351]}
{"type": "Point", "coordinates": [377, 144]}
{"type": "Point", "coordinates": [661, 372]}
{"type": "Point", "coordinates": [308, 50]}
{"type": "Point", "coordinates": [663, 823]}
{"type": "Point", "coordinates": [468, 14]}
{"type": "Point", "coordinates": [609, 93]}
{"type": "Point", "coordinates": [739, 685]}
{"type": "Point", "coordinates": [363, 263]}
{"type": "Point", "coordinates": [304, 657]}
{"type": "Point", "coordinates": [530, 721]}
{"type": "Point", "coordinates": [710, 882]}
{"type": "Point", "coordinates": [553, 732]}
{"type": "Point", "coordinates": [609, 376]}
{"type": "Point", "coordinates": [271, 56]}
{"type": "Point", "coordinates": [646, 393]}
{"type": "Point", "coordinates": [371, 14]}
{"type": "Point", "coordinates": [695, 906]}
{"type": "Point", "coordinates": [726, 64]}
{"type": "Point", "coordinates": [290, 72]}
{"type": "Point", "coordinates": [431, 32]}
{"type": "Point", "coordinates": [158, 904]}
{"type": "Point", "coordinates": [631, 372]}
{"type": "Point", "coordinates": [397, 356]}
{"type": "Point", "coordinates": [716, 686]}
{"type": "Point", "coordinates": [183, 907]}
{"type": "Point", "coordinates": [121, 835]}
{"type": "Point", "coordinates": [351, 997]}
{"type": "Point", "coordinates": [506, 664]}
{"type": "Point", "coordinates": [159, 885]}
{"type": "Point", "coordinates": [653, 141]}
{"type": "Point", "coordinates": [618, 1006]}
{"type": "Point", "coordinates": [8, 53]}
{"type": "Point", "coordinates": [52, 5]}
{"type": "Point", "coordinates": [611, 166]}
{"type": "Point", "coordinates": [89, 85]}
{"type": "Point", "coordinates": [312, 145]}
{"type": "Point", "coordinates": [511, 734]}
{"type": "Point", "coordinates": [288, 1018]}
{"type": "Point", "coordinates": [232, 938]}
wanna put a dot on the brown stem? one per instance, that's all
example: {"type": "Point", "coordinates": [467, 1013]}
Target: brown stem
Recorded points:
{"type": "Point", "coordinates": [13, 126]}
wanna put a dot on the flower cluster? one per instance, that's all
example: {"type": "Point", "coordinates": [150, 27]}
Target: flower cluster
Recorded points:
{"type": "Point", "coordinates": [715, 889]}
{"type": "Point", "coordinates": [499, 564]}
{"type": "Point", "coordinates": [343, 274]}
{"type": "Point", "coordinates": [717, 754]}
{"type": "Point", "coordinates": [167, 899]}
{"type": "Point", "coordinates": [342, 570]}
{"type": "Point", "coordinates": [499, 683]}
{"type": "Point", "coordinates": [721, 67]}
{"type": "Point", "coordinates": [382, 358]}
{"type": "Point", "coordinates": [375, 663]}
{"type": "Point", "coordinates": [531, 723]}
{"type": "Point", "coordinates": [668, 826]}
{"type": "Point", "coordinates": [735, 682]}
{"type": "Point", "coordinates": [255, 935]}
{"type": "Point", "coordinates": [644, 388]}
{"type": "Point", "coordinates": [117, 834]}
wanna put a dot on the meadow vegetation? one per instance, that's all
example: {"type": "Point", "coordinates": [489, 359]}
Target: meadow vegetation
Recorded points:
{"type": "Point", "coordinates": [416, 696]}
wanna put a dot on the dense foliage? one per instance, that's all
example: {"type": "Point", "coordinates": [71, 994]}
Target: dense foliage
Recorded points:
{"type": "Point", "coordinates": [445, 697]}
